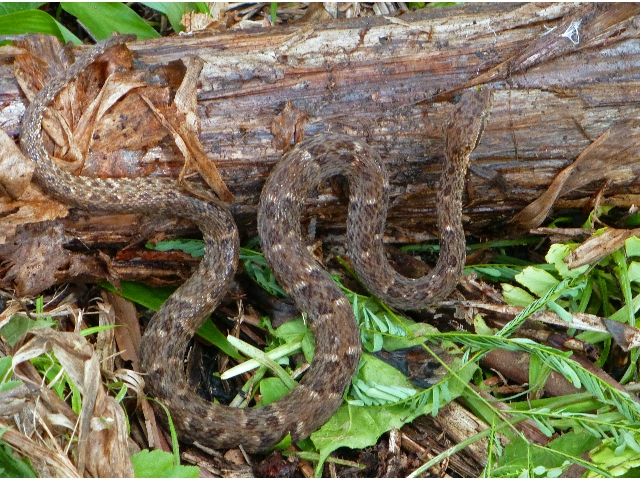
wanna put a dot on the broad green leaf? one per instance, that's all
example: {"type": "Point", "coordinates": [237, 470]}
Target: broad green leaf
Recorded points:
{"type": "Point", "coordinates": [104, 18]}
{"type": "Point", "coordinates": [520, 455]}
{"type": "Point", "coordinates": [632, 245]}
{"type": "Point", "coordinates": [153, 298]}
{"type": "Point", "coordinates": [358, 427]}
{"type": "Point", "coordinates": [480, 327]}
{"type": "Point", "coordinates": [19, 325]}
{"type": "Point", "coordinates": [516, 296]}
{"type": "Point", "coordinates": [159, 464]}
{"type": "Point", "coordinates": [5, 367]}
{"type": "Point", "coordinates": [149, 297]}
{"type": "Point", "coordinates": [212, 334]}
{"type": "Point", "coordinates": [621, 462]}
{"type": "Point", "coordinates": [374, 371]}
{"type": "Point", "coordinates": [418, 332]}
{"type": "Point", "coordinates": [634, 272]}
{"type": "Point", "coordinates": [10, 466]}
{"type": "Point", "coordinates": [13, 7]}
{"type": "Point", "coordinates": [272, 389]}
{"type": "Point", "coordinates": [617, 461]}
{"type": "Point", "coordinates": [292, 331]}
{"type": "Point", "coordinates": [556, 255]}
{"type": "Point", "coordinates": [35, 21]}
{"type": "Point", "coordinates": [6, 386]}
{"type": "Point", "coordinates": [537, 280]}
{"type": "Point", "coordinates": [283, 444]}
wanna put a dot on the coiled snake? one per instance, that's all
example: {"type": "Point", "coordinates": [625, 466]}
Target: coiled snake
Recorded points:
{"type": "Point", "coordinates": [331, 317]}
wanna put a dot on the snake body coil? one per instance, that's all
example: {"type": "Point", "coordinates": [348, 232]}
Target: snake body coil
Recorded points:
{"type": "Point", "coordinates": [331, 317]}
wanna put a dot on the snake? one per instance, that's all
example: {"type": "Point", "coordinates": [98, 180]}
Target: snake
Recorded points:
{"type": "Point", "coordinates": [294, 178]}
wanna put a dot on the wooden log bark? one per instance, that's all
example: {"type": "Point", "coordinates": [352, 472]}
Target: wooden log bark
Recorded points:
{"type": "Point", "coordinates": [562, 75]}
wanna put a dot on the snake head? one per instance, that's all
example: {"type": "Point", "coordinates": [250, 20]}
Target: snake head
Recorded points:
{"type": "Point", "coordinates": [464, 127]}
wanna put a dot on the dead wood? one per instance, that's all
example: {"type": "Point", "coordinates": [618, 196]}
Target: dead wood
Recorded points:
{"type": "Point", "coordinates": [564, 76]}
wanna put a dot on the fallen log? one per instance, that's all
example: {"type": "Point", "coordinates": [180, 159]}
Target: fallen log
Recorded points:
{"type": "Point", "coordinates": [563, 75]}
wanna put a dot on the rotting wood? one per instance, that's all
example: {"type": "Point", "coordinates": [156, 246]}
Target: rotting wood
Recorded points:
{"type": "Point", "coordinates": [376, 78]}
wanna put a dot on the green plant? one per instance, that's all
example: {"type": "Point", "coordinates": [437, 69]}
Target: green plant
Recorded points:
{"type": "Point", "coordinates": [100, 19]}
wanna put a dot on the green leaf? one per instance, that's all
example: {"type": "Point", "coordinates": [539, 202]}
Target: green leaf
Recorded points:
{"type": "Point", "coordinates": [538, 372]}
{"type": "Point", "coordinates": [520, 455]}
{"type": "Point", "coordinates": [556, 255]}
{"type": "Point", "coordinates": [272, 389]}
{"type": "Point", "coordinates": [516, 296]}
{"type": "Point", "coordinates": [85, 332]}
{"type": "Point", "coordinates": [632, 245]}
{"type": "Point", "coordinates": [212, 334]}
{"type": "Point", "coordinates": [10, 466]}
{"type": "Point", "coordinates": [5, 367]}
{"type": "Point", "coordinates": [19, 325]}
{"type": "Point", "coordinates": [442, 4]}
{"type": "Point", "coordinates": [292, 331]}
{"type": "Point", "coordinates": [34, 21]}
{"type": "Point", "coordinates": [480, 326]}
{"type": "Point", "coordinates": [149, 297]}
{"type": "Point", "coordinates": [283, 444]}
{"type": "Point", "coordinates": [159, 464]}
{"type": "Point", "coordinates": [174, 11]}
{"type": "Point", "coordinates": [358, 427]}
{"type": "Point", "coordinates": [561, 312]}
{"type": "Point", "coordinates": [6, 386]}
{"type": "Point", "coordinates": [153, 298]}
{"type": "Point", "coordinates": [261, 357]}
{"type": "Point", "coordinates": [13, 7]}
{"type": "Point", "coordinates": [417, 333]}
{"type": "Point", "coordinates": [372, 370]}
{"type": "Point", "coordinates": [103, 19]}
{"type": "Point", "coordinates": [256, 267]}
{"type": "Point", "coordinates": [537, 280]}
{"type": "Point", "coordinates": [195, 248]}
{"type": "Point", "coordinates": [634, 272]}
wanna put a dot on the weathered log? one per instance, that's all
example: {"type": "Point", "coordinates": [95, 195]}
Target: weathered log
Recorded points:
{"type": "Point", "coordinates": [562, 74]}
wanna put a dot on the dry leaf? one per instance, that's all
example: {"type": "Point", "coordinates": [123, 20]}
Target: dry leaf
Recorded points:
{"type": "Point", "coordinates": [37, 256]}
{"type": "Point", "coordinates": [608, 158]}
{"type": "Point", "coordinates": [102, 436]}
{"type": "Point", "coordinates": [128, 334]}
{"type": "Point", "coordinates": [597, 247]}
{"type": "Point", "coordinates": [15, 169]}
{"type": "Point", "coordinates": [182, 122]}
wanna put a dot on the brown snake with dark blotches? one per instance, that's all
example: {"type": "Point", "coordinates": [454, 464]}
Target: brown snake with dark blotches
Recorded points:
{"type": "Point", "coordinates": [300, 171]}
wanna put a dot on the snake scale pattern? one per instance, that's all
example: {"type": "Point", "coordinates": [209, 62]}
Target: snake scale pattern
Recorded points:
{"type": "Point", "coordinates": [298, 173]}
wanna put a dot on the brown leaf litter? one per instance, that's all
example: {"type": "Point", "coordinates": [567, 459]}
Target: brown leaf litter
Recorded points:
{"type": "Point", "coordinates": [109, 122]}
